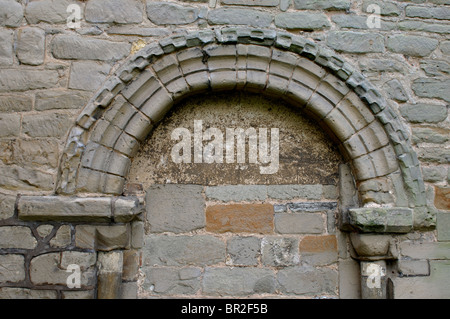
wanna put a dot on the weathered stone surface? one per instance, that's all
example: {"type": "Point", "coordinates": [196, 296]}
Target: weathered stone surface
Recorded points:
{"type": "Point", "coordinates": [44, 230]}
{"type": "Point", "coordinates": [224, 16]}
{"type": "Point", "coordinates": [183, 250]}
{"type": "Point", "coordinates": [32, 153]}
{"type": "Point", "coordinates": [424, 113]}
{"type": "Point", "coordinates": [355, 42]}
{"type": "Point", "coordinates": [260, 3]}
{"type": "Point", "coordinates": [435, 67]}
{"type": "Point", "coordinates": [17, 237]}
{"type": "Point", "coordinates": [6, 47]}
{"type": "Point", "coordinates": [24, 80]}
{"type": "Point", "coordinates": [237, 193]}
{"type": "Point", "coordinates": [79, 48]}
{"type": "Point", "coordinates": [381, 65]}
{"type": "Point", "coordinates": [236, 218]}
{"type": "Point", "coordinates": [50, 268]}
{"type": "Point", "coordinates": [64, 208]}
{"type": "Point", "coordinates": [279, 251]}
{"type": "Point", "coordinates": [12, 268]}
{"type": "Point", "coordinates": [434, 174]}
{"type": "Point", "coordinates": [50, 11]}
{"type": "Point", "coordinates": [440, 13]}
{"type": "Point", "coordinates": [432, 250]}
{"type": "Point", "coordinates": [294, 191]}
{"type": "Point", "coordinates": [395, 91]}
{"type": "Point", "coordinates": [9, 125]}
{"type": "Point", "coordinates": [430, 135]}
{"type": "Point", "coordinates": [50, 100]}
{"type": "Point", "coordinates": [434, 155]}
{"type": "Point", "coordinates": [238, 281]}
{"type": "Point", "coordinates": [175, 208]}
{"type": "Point", "coordinates": [79, 294]}
{"type": "Point", "coordinates": [442, 198]}
{"type": "Point", "coordinates": [11, 13]}
{"type": "Point", "coordinates": [445, 47]}
{"type": "Point", "coordinates": [131, 264]}
{"type": "Point", "coordinates": [110, 266]}
{"type": "Point", "coordinates": [63, 237]}
{"type": "Point", "coordinates": [15, 177]}
{"type": "Point", "coordinates": [15, 103]}
{"type": "Point", "coordinates": [443, 226]}
{"type": "Point", "coordinates": [432, 88]}
{"type": "Point", "coordinates": [382, 219]}
{"type": "Point", "coordinates": [161, 13]}
{"type": "Point", "coordinates": [46, 124]}
{"type": "Point", "coordinates": [411, 45]}
{"type": "Point", "coordinates": [299, 223]}
{"type": "Point", "coordinates": [414, 267]}
{"type": "Point", "coordinates": [243, 251]}
{"type": "Point", "coordinates": [322, 4]}
{"type": "Point", "coordinates": [114, 11]}
{"type": "Point", "coordinates": [353, 21]}
{"type": "Point", "coordinates": [308, 281]}
{"type": "Point", "coordinates": [31, 46]}
{"type": "Point", "coordinates": [88, 75]}
{"type": "Point", "coordinates": [172, 281]}
{"type": "Point", "coordinates": [386, 8]}
{"type": "Point", "coordinates": [370, 244]}
{"type": "Point", "coordinates": [302, 21]}
{"type": "Point", "coordinates": [102, 238]}
{"type": "Point", "coordinates": [7, 204]}
{"type": "Point", "coordinates": [318, 250]}
{"type": "Point", "coordinates": [25, 293]}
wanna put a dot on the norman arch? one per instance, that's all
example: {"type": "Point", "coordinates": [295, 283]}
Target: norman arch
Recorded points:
{"type": "Point", "coordinates": [119, 117]}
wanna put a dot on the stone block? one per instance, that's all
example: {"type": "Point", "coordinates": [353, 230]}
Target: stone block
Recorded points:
{"type": "Point", "coordinates": [9, 125]}
{"type": "Point", "coordinates": [319, 250]}
{"type": "Point", "coordinates": [19, 237]}
{"type": "Point", "coordinates": [7, 204]}
{"type": "Point", "coordinates": [442, 198]}
{"type": "Point", "coordinates": [413, 267]}
{"type": "Point", "coordinates": [440, 13]}
{"type": "Point", "coordinates": [259, 3]}
{"type": "Point", "coordinates": [227, 16]}
{"type": "Point", "coordinates": [175, 208]}
{"type": "Point", "coordinates": [238, 281]}
{"type": "Point", "coordinates": [302, 21]}
{"type": "Point", "coordinates": [236, 193]}
{"type": "Point", "coordinates": [74, 47]}
{"type": "Point", "coordinates": [47, 124]}
{"type": "Point", "coordinates": [88, 75]}
{"type": "Point", "coordinates": [198, 250]}
{"type": "Point", "coordinates": [49, 11]}
{"type": "Point", "coordinates": [308, 281]}
{"type": "Point", "coordinates": [396, 220]}
{"type": "Point", "coordinates": [299, 223]}
{"type": "Point", "coordinates": [433, 174]}
{"type": "Point", "coordinates": [109, 274]}
{"type": "Point", "coordinates": [432, 88]}
{"type": "Point", "coordinates": [443, 226]}
{"type": "Point", "coordinates": [64, 208]}
{"type": "Point", "coordinates": [411, 45]}
{"type": "Point", "coordinates": [16, 177]}
{"type": "Point", "coordinates": [114, 11]}
{"type": "Point", "coordinates": [15, 103]}
{"type": "Point", "coordinates": [25, 80]}
{"type": "Point", "coordinates": [31, 46]}
{"type": "Point", "coordinates": [240, 218]}
{"type": "Point", "coordinates": [6, 47]}
{"type": "Point", "coordinates": [386, 8]}
{"type": "Point", "coordinates": [294, 191]}
{"type": "Point", "coordinates": [51, 100]}
{"type": "Point", "coordinates": [25, 293]}
{"type": "Point", "coordinates": [349, 279]}
{"type": "Point", "coordinates": [432, 250]}
{"type": "Point", "coordinates": [63, 237]}
{"type": "Point", "coordinates": [279, 251]}
{"type": "Point", "coordinates": [12, 13]}
{"type": "Point", "coordinates": [356, 42]}
{"type": "Point", "coordinates": [131, 264]}
{"type": "Point", "coordinates": [162, 13]}
{"type": "Point", "coordinates": [331, 5]}
{"type": "Point", "coordinates": [311, 206]}
{"type": "Point", "coordinates": [243, 251]}
{"type": "Point", "coordinates": [172, 281]}
{"type": "Point", "coordinates": [12, 269]}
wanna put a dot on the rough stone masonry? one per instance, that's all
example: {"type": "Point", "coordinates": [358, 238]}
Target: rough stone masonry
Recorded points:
{"type": "Point", "coordinates": [86, 96]}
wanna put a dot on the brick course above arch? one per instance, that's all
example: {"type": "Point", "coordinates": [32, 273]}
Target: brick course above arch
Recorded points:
{"type": "Point", "coordinates": [109, 130]}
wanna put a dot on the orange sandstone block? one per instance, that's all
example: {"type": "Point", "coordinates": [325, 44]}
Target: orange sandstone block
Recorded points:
{"type": "Point", "coordinates": [240, 218]}
{"type": "Point", "coordinates": [318, 244]}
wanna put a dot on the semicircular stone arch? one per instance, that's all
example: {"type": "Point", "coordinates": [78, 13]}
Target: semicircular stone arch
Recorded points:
{"type": "Point", "coordinates": [110, 129]}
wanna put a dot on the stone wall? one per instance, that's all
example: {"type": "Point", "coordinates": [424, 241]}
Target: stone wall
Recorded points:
{"type": "Point", "coordinates": [55, 78]}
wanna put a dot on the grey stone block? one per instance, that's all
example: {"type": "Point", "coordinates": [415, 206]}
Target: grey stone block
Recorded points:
{"type": "Point", "coordinates": [440, 13]}
{"type": "Point", "coordinates": [9, 125]}
{"type": "Point", "coordinates": [15, 103]}
{"type": "Point", "coordinates": [386, 8]}
{"type": "Point", "coordinates": [46, 124]}
{"type": "Point", "coordinates": [238, 281]}
{"type": "Point", "coordinates": [397, 220]}
{"type": "Point", "coordinates": [25, 80]}
{"type": "Point", "coordinates": [31, 46]}
{"type": "Point", "coordinates": [294, 191]}
{"type": "Point", "coordinates": [7, 204]}
{"type": "Point", "coordinates": [114, 11]}
{"type": "Point", "coordinates": [322, 4]}
{"type": "Point", "coordinates": [175, 208]}
{"type": "Point", "coordinates": [51, 100]}
{"type": "Point", "coordinates": [12, 268]}
{"type": "Point", "coordinates": [279, 251]}
{"type": "Point", "coordinates": [6, 47]}
{"type": "Point", "coordinates": [227, 193]}
{"type": "Point", "coordinates": [308, 281]}
{"type": "Point", "coordinates": [88, 75]}
{"type": "Point", "coordinates": [225, 16]}
{"type": "Point", "coordinates": [162, 13]}
{"type": "Point", "coordinates": [12, 13]}
{"type": "Point", "coordinates": [435, 67]}
{"type": "Point", "coordinates": [411, 45]}
{"type": "Point", "coordinates": [433, 174]}
{"type": "Point", "coordinates": [432, 88]}
{"type": "Point", "coordinates": [17, 237]}
{"type": "Point", "coordinates": [25, 293]}
{"type": "Point", "coordinates": [299, 223]}
{"type": "Point", "coordinates": [302, 21]}
{"type": "Point", "coordinates": [196, 250]}
{"type": "Point", "coordinates": [49, 11]}
{"type": "Point", "coordinates": [413, 267]}
{"type": "Point", "coordinates": [443, 226]}
{"type": "Point", "coordinates": [430, 135]}
{"type": "Point", "coordinates": [311, 206]}
{"type": "Point", "coordinates": [356, 42]}
{"type": "Point", "coordinates": [395, 91]}
{"type": "Point", "coordinates": [172, 281]}
{"type": "Point", "coordinates": [17, 177]}
{"type": "Point", "coordinates": [243, 251]}
{"type": "Point", "coordinates": [79, 48]}
{"type": "Point", "coordinates": [445, 47]}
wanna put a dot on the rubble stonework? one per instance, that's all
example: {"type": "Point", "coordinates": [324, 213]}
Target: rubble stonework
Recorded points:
{"type": "Point", "coordinates": [78, 104]}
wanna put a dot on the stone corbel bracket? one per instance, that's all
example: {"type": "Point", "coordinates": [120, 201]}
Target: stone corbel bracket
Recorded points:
{"type": "Point", "coordinates": [80, 209]}
{"type": "Point", "coordinates": [382, 219]}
